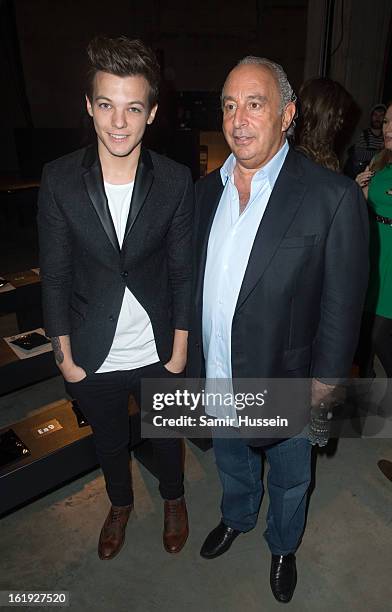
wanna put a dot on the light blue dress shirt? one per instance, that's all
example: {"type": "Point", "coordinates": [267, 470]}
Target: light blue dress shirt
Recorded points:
{"type": "Point", "coordinates": [229, 246]}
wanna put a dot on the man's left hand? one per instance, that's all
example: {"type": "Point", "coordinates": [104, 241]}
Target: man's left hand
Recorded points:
{"type": "Point", "coordinates": [177, 362]}
{"type": "Point", "coordinates": [175, 366]}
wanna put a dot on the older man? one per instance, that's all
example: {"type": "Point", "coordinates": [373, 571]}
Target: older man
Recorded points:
{"type": "Point", "coordinates": [282, 270]}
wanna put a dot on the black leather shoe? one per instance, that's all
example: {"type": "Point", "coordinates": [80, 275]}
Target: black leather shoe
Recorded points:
{"type": "Point", "coordinates": [218, 541]}
{"type": "Point", "coordinates": [283, 576]}
{"type": "Point", "coordinates": [386, 468]}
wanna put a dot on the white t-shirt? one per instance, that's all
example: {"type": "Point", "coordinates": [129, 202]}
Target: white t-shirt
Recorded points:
{"type": "Point", "coordinates": [133, 343]}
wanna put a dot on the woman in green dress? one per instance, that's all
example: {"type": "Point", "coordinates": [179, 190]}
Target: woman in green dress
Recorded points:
{"type": "Point", "coordinates": [376, 335]}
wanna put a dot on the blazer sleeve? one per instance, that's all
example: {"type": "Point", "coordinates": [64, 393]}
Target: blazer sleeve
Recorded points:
{"type": "Point", "coordinates": [55, 259]}
{"type": "Point", "coordinates": [344, 287]}
{"type": "Point", "coordinates": [179, 255]}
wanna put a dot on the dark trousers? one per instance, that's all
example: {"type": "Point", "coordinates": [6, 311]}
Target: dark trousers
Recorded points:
{"type": "Point", "coordinates": [103, 399]}
{"type": "Point", "coordinates": [375, 339]}
{"type": "Point", "coordinates": [239, 468]}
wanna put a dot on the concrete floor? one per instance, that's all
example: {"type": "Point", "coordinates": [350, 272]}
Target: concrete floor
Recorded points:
{"type": "Point", "coordinates": [344, 562]}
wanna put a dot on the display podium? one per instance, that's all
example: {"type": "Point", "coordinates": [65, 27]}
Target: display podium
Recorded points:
{"type": "Point", "coordinates": [23, 297]}
{"type": "Point", "coordinates": [59, 451]}
{"type": "Point", "coordinates": [61, 448]}
{"type": "Point", "coordinates": [56, 446]}
{"type": "Point", "coordinates": [16, 373]}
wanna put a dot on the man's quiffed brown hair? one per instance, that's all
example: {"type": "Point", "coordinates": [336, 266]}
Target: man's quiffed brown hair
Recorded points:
{"type": "Point", "coordinates": [123, 57]}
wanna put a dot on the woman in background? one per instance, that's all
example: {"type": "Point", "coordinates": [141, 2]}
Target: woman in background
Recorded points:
{"type": "Point", "coordinates": [323, 121]}
{"type": "Point", "coordinates": [376, 336]}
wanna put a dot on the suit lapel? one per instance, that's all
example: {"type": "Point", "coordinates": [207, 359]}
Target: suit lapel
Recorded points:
{"type": "Point", "coordinates": [208, 205]}
{"type": "Point", "coordinates": [93, 180]}
{"type": "Point", "coordinates": [143, 181]}
{"type": "Point", "coordinates": [285, 199]}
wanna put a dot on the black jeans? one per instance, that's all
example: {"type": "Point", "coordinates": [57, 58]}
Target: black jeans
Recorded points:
{"type": "Point", "coordinates": [375, 339]}
{"type": "Point", "coordinates": [103, 399]}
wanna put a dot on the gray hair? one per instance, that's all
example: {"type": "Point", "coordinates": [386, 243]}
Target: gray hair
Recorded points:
{"type": "Point", "coordinates": [286, 91]}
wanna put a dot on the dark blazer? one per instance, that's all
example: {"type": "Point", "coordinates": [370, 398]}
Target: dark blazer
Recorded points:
{"type": "Point", "coordinates": [84, 272]}
{"type": "Point", "coordinates": [299, 308]}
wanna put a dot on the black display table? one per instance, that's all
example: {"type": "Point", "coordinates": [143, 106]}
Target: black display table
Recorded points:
{"type": "Point", "coordinates": [60, 450]}
{"type": "Point", "coordinates": [16, 373]}
{"type": "Point", "coordinates": [24, 299]}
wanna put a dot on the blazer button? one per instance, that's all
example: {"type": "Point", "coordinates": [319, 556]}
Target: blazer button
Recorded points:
{"type": "Point", "coordinates": [111, 318]}
{"type": "Point", "coordinates": [124, 274]}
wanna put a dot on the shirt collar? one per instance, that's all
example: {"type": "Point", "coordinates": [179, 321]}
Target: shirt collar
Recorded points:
{"type": "Point", "coordinates": [268, 172]}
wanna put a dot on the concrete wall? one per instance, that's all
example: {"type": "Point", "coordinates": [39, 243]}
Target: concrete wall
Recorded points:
{"type": "Point", "coordinates": [360, 60]}
{"type": "Point", "coordinates": [201, 41]}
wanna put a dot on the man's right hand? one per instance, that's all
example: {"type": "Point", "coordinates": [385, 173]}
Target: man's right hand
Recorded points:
{"type": "Point", "coordinates": [63, 356]}
{"type": "Point", "coordinates": [73, 374]}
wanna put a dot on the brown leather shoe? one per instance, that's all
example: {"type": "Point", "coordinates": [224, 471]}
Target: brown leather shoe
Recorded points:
{"type": "Point", "coordinates": [176, 527]}
{"type": "Point", "coordinates": [112, 534]}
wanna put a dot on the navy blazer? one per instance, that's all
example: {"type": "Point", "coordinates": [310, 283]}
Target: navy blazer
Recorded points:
{"type": "Point", "coordinates": [299, 308]}
{"type": "Point", "coordinates": [83, 270]}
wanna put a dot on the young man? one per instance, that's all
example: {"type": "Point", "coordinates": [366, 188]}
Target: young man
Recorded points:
{"type": "Point", "coordinates": [115, 226]}
{"type": "Point", "coordinates": [281, 276]}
